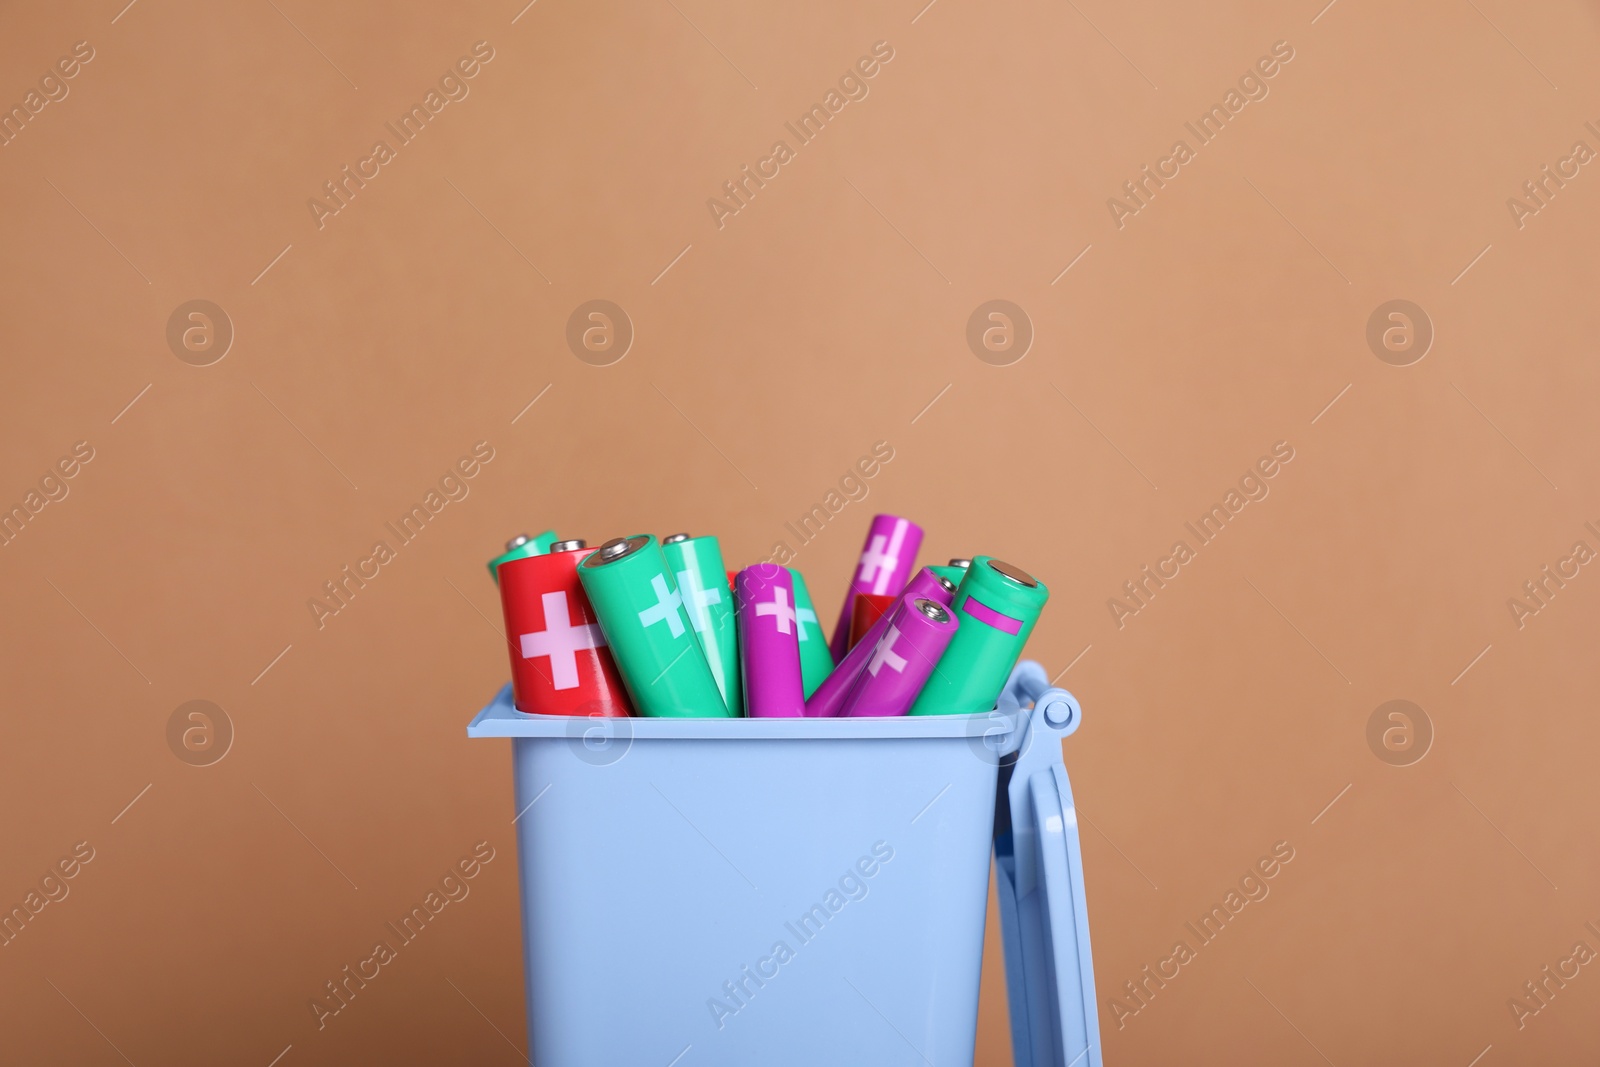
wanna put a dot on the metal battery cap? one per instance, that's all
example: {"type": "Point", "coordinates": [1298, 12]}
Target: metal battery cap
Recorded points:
{"type": "Point", "coordinates": [960, 563]}
{"type": "Point", "coordinates": [1016, 574]}
{"type": "Point", "coordinates": [517, 541]}
{"type": "Point", "coordinates": [617, 548]}
{"type": "Point", "coordinates": [933, 610]}
{"type": "Point", "coordinates": [672, 539]}
{"type": "Point", "coordinates": [569, 546]}
{"type": "Point", "coordinates": [949, 586]}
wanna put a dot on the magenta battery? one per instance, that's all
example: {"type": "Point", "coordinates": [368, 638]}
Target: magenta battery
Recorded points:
{"type": "Point", "coordinates": [828, 697]}
{"type": "Point", "coordinates": [769, 640]}
{"type": "Point", "coordinates": [904, 656]}
{"type": "Point", "coordinates": [887, 557]}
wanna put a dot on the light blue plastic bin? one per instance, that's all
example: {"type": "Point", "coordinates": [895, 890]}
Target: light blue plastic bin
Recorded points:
{"type": "Point", "coordinates": [664, 861]}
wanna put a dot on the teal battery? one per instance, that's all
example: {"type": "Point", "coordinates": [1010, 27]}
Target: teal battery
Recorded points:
{"type": "Point", "coordinates": [816, 661]}
{"type": "Point", "coordinates": [697, 566]}
{"type": "Point", "coordinates": [640, 610]}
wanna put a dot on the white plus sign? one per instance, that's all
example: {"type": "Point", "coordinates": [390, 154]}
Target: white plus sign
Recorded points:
{"type": "Point", "coordinates": [873, 560]}
{"type": "Point", "coordinates": [881, 557]}
{"type": "Point", "coordinates": [803, 616]}
{"type": "Point", "coordinates": [668, 601]}
{"type": "Point", "coordinates": [698, 597]}
{"type": "Point", "coordinates": [561, 641]}
{"type": "Point", "coordinates": [779, 606]}
{"type": "Point", "coordinates": [885, 653]}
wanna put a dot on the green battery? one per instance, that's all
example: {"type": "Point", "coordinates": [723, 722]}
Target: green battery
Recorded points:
{"type": "Point", "coordinates": [519, 546]}
{"type": "Point", "coordinates": [816, 662]}
{"type": "Point", "coordinates": [702, 578]}
{"type": "Point", "coordinates": [998, 605]}
{"type": "Point", "coordinates": [641, 614]}
{"type": "Point", "coordinates": [954, 571]}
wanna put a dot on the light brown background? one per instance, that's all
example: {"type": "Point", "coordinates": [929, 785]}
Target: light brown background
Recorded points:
{"type": "Point", "coordinates": [1223, 318]}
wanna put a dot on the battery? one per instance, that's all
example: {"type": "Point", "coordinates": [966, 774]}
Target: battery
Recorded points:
{"type": "Point", "coordinates": [955, 570]}
{"type": "Point", "coordinates": [868, 610]}
{"type": "Point", "coordinates": [826, 701]}
{"type": "Point", "coordinates": [560, 664]}
{"type": "Point", "coordinates": [520, 546]}
{"type": "Point", "coordinates": [769, 634]}
{"type": "Point", "coordinates": [887, 558]}
{"type": "Point", "coordinates": [641, 612]}
{"type": "Point", "coordinates": [905, 654]}
{"type": "Point", "coordinates": [697, 567]}
{"type": "Point", "coordinates": [998, 605]}
{"type": "Point", "coordinates": [816, 662]}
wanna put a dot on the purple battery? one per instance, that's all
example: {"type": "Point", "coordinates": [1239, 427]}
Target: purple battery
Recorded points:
{"type": "Point", "coordinates": [887, 556]}
{"type": "Point", "coordinates": [903, 657]}
{"type": "Point", "coordinates": [829, 696]}
{"type": "Point", "coordinates": [769, 640]}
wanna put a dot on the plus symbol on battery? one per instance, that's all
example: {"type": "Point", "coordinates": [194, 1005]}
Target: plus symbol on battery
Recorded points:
{"type": "Point", "coordinates": [875, 561]}
{"type": "Point", "coordinates": [561, 641]}
{"type": "Point", "coordinates": [668, 602]}
{"type": "Point", "coordinates": [885, 653]}
{"type": "Point", "coordinates": [803, 616]}
{"type": "Point", "coordinates": [779, 606]}
{"type": "Point", "coordinates": [698, 597]}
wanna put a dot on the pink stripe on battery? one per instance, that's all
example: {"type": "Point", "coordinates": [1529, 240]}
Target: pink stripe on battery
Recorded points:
{"type": "Point", "coordinates": [985, 614]}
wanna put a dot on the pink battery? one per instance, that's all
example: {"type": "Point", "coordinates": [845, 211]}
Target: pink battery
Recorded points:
{"type": "Point", "coordinates": [887, 558]}
{"type": "Point", "coordinates": [769, 639]}
{"type": "Point", "coordinates": [904, 655]}
{"type": "Point", "coordinates": [829, 696]}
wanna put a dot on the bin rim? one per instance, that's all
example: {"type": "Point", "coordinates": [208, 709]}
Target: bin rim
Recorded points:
{"type": "Point", "coordinates": [501, 719]}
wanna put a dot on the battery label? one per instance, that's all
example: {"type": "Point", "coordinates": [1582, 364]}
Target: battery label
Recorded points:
{"type": "Point", "coordinates": [885, 655]}
{"type": "Point", "coordinates": [880, 562]}
{"type": "Point", "coordinates": [561, 641]}
{"type": "Point", "coordinates": [668, 607]}
{"type": "Point", "coordinates": [699, 598]}
{"type": "Point", "coordinates": [985, 614]}
{"type": "Point", "coordinates": [779, 606]}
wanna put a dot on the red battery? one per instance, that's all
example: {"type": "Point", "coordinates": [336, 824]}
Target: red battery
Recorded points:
{"type": "Point", "coordinates": [731, 576]}
{"type": "Point", "coordinates": [866, 610]}
{"type": "Point", "coordinates": [560, 664]}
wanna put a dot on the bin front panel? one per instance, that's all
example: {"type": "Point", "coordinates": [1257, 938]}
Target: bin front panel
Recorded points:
{"type": "Point", "coordinates": [754, 900]}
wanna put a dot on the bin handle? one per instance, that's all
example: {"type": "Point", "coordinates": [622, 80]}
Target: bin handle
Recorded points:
{"type": "Point", "coordinates": [1039, 871]}
{"type": "Point", "coordinates": [1030, 686]}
